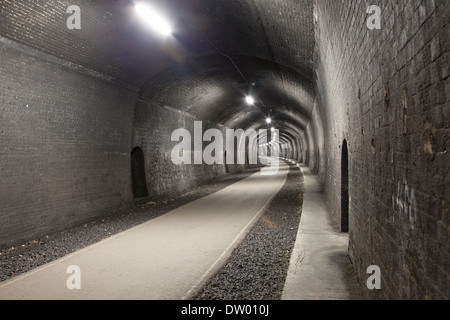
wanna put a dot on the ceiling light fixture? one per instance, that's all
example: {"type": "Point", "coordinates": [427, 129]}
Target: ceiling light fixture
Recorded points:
{"type": "Point", "coordinates": [268, 120]}
{"type": "Point", "coordinates": [250, 100]}
{"type": "Point", "coordinates": [153, 19]}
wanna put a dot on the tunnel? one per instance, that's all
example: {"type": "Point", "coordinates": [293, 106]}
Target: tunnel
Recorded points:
{"type": "Point", "coordinates": [154, 141]}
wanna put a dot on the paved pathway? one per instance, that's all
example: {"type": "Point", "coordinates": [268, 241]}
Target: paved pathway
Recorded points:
{"type": "Point", "coordinates": [166, 258]}
{"type": "Point", "coordinates": [320, 268]}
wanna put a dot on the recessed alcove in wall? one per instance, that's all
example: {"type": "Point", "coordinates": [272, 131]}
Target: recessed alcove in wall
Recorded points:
{"type": "Point", "coordinates": [344, 188]}
{"type": "Point", "coordinates": [138, 173]}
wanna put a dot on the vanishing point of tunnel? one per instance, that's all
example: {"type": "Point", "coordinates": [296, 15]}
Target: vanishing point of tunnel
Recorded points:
{"type": "Point", "coordinates": [224, 149]}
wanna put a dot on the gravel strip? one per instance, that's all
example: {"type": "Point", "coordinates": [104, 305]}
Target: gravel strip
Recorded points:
{"type": "Point", "coordinates": [34, 253]}
{"type": "Point", "coordinates": [258, 267]}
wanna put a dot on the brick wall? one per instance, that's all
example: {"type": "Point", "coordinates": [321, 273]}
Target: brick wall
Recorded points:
{"type": "Point", "coordinates": [387, 93]}
{"type": "Point", "coordinates": [153, 127]}
{"type": "Point", "coordinates": [315, 157]}
{"type": "Point", "coordinates": [65, 144]}
{"type": "Point", "coordinates": [67, 136]}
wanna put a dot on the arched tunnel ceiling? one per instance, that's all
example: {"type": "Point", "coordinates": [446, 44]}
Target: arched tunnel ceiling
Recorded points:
{"type": "Point", "coordinates": [211, 88]}
{"type": "Point", "coordinates": [218, 49]}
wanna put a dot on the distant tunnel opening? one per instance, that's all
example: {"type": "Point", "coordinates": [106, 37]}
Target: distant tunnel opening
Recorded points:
{"type": "Point", "coordinates": [344, 189]}
{"type": "Point", "coordinates": [138, 173]}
